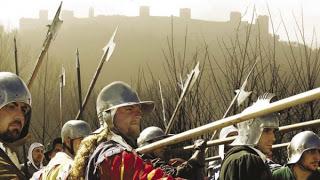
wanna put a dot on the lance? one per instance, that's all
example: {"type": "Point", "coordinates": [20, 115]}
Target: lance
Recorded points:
{"type": "Point", "coordinates": [17, 73]}
{"type": "Point", "coordinates": [270, 108]}
{"type": "Point", "coordinates": [62, 84]}
{"type": "Point", "coordinates": [163, 109]}
{"type": "Point", "coordinates": [108, 50]}
{"type": "Point", "coordinates": [16, 55]}
{"type": "Point", "coordinates": [192, 77]}
{"type": "Point", "coordinates": [51, 33]}
{"type": "Point", "coordinates": [282, 129]}
{"type": "Point", "coordinates": [276, 146]}
{"type": "Point", "coordinates": [79, 84]}
{"type": "Point", "coordinates": [240, 91]}
{"type": "Point", "coordinates": [241, 95]}
{"type": "Point", "coordinates": [44, 101]}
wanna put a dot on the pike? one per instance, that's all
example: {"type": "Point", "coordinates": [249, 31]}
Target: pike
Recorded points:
{"type": "Point", "coordinates": [192, 77]}
{"type": "Point", "coordinates": [270, 108]}
{"type": "Point", "coordinates": [107, 52]}
{"type": "Point", "coordinates": [16, 55]}
{"type": "Point", "coordinates": [241, 95]}
{"type": "Point", "coordinates": [276, 146]}
{"type": "Point", "coordinates": [62, 84]}
{"type": "Point", "coordinates": [163, 109]}
{"type": "Point", "coordinates": [79, 83]}
{"type": "Point", "coordinates": [51, 34]}
{"type": "Point", "coordinates": [282, 129]}
{"type": "Point", "coordinates": [24, 151]}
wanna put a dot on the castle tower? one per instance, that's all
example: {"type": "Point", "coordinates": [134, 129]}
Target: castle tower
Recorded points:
{"type": "Point", "coordinates": [185, 13]}
{"type": "Point", "coordinates": [144, 11]}
{"type": "Point", "coordinates": [262, 23]}
{"type": "Point", "coordinates": [235, 18]}
{"type": "Point", "coordinates": [91, 12]}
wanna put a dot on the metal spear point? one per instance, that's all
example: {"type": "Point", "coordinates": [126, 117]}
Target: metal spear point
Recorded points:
{"type": "Point", "coordinates": [191, 79]}
{"type": "Point", "coordinates": [107, 52]}
{"type": "Point", "coordinates": [241, 92]}
{"type": "Point", "coordinates": [109, 48]}
{"type": "Point", "coordinates": [56, 23]}
{"type": "Point", "coordinates": [53, 28]}
{"type": "Point", "coordinates": [241, 96]}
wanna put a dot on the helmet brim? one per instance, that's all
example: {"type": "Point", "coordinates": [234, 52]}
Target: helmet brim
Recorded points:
{"type": "Point", "coordinates": [146, 106]}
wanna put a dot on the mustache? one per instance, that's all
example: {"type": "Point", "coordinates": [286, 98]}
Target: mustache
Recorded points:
{"type": "Point", "coordinates": [16, 121]}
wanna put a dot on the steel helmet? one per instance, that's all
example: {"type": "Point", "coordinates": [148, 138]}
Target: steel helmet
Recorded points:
{"type": "Point", "coordinates": [13, 89]}
{"type": "Point", "coordinates": [300, 143]}
{"type": "Point", "coordinates": [250, 131]}
{"type": "Point", "coordinates": [118, 94]}
{"type": "Point", "coordinates": [151, 134]}
{"type": "Point", "coordinates": [74, 129]}
{"type": "Point", "coordinates": [223, 134]}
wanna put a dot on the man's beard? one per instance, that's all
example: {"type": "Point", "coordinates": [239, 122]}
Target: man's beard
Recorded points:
{"type": "Point", "coordinates": [10, 136]}
{"type": "Point", "coordinates": [134, 132]}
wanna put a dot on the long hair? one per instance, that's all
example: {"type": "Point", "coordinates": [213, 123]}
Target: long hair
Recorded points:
{"type": "Point", "coordinates": [87, 147]}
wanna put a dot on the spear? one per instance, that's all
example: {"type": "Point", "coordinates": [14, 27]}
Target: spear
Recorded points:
{"type": "Point", "coordinates": [163, 109]}
{"type": "Point", "coordinates": [62, 84]}
{"type": "Point", "coordinates": [270, 108]}
{"type": "Point", "coordinates": [16, 55]}
{"type": "Point", "coordinates": [51, 33]}
{"type": "Point", "coordinates": [240, 96]}
{"type": "Point", "coordinates": [282, 129]}
{"type": "Point", "coordinates": [192, 77]}
{"type": "Point", "coordinates": [107, 52]}
{"type": "Point", "coordinates": [79, 84]}
{"type": "Point", "coordinates": [276, 146]}
{"type": "Point", "coordinates": [17, 73]}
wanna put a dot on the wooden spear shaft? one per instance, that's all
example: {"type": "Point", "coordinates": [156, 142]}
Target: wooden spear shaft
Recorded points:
{"type": "Point", "coordinates": [79, 84]}
{"type": "Point", "coordinates": [40, 60]}
{"type": "Point", "coordinates": [92, 83]}
{"type": "Point", "coordinates": [276, 146]}
{"type": "Point", "coordinates": [283, 129]}
{"type": "Point", "coordinates": [272, 107]}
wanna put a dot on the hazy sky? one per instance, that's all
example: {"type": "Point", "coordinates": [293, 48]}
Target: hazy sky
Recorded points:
{"type": "Point", "coordinates": [214, 10]}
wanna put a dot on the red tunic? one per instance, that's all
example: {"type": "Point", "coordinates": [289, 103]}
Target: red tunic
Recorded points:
{"type": "Point", "coordinates": [113, 161]}
{"type": "Point", "coordinates": [129, 165]}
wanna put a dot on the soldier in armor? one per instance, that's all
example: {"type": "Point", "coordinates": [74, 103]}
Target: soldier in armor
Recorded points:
{"type": "Point", "coordinates": [150, 135]}
{"type": "Point", "coordinates": [35, 159]}
{"type": "Point", "coordinates": [191, 169]}
{"type": "Point", "coordinates": [15, 114]}
{"type": "Point", "coordinates": [214, 167]}
{"type": "Point", "coordinates": [52, 148]}
{"type": "Point", "coordinates": [303, 158]}
{"type": "Point", "coordinates": [247, 160]}
{"type": "Point", "coordinates": [110, 150]}
{"type": "Point", "coordinates": [59, 166]}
